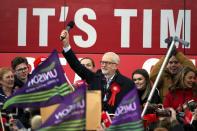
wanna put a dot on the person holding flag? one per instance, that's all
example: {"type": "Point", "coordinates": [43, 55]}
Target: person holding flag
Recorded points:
{"type": "Point", "coordinates": [108, 79]}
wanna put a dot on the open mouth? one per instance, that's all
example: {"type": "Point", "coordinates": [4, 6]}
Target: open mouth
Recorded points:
{"type": "Point", "coordinates": [189, 84]}
{"type": "Point", "coordinates": [174, 69]}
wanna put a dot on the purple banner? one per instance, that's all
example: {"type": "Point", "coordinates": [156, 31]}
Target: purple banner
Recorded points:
{"type": "Point", "coordinates": [46, 86]}
{"type": "Point", "coordinates": [128, 114]}
{"type": "Point", "coordinates": [71, 113]}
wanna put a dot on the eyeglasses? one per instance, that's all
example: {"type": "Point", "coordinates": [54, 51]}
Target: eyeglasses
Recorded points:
{"type": "Point", "coordinates": [106, 62]}
{"type": "Point", "coordinates": [22, 69]}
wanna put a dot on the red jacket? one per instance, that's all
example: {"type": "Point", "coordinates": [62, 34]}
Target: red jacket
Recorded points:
{"type": "Point", "coordinates": [174, 102]}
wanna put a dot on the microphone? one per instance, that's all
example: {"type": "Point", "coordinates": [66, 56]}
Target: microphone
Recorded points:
{"type": "Point", "coordinates": [70, 25]}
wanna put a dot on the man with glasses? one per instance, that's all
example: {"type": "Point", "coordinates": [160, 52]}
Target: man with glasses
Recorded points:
{"type": "Point", "coordinates": [21, 74]}
{"type": "Point", "coordinates": [103, 79]}
{"type": "Point", "coordinates": [20, 67]}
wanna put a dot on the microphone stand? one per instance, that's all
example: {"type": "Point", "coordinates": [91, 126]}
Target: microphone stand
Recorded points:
{"type": "Point", "coordinates": [175, 39]}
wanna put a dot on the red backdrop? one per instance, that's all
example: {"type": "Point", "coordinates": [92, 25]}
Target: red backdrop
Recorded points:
{"type": "Point", "coordinates": [122, 26]}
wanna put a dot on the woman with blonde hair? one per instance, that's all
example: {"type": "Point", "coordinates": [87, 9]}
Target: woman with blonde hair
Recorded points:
{"type": "Point", "coordinates": [6, 83]}
{"type": "Point", "coordinates": [6, 90]}
{"type": "Point", "coordinates": [183, 89]}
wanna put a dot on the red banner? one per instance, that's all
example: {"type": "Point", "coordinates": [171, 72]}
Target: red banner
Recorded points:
{"type": "Point", "coordinates": [125, 27]}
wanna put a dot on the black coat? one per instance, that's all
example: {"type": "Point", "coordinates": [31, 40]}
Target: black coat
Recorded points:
{"type": "Point", "coordinates": [155, 98]}
{"type": "Point", "coordinates": [17, 82]}
{"type": "Point", "coordinates": [96, 81]}
{"type": "Point", "coordinates": [24, 118]}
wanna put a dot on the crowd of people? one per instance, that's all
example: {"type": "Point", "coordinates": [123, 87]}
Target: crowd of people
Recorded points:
{"type": "Point", "coordinates": [176, 88]}
{"type": "Point", "coordinates": [11, 79]}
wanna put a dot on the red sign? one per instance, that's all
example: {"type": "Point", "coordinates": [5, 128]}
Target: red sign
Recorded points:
{"type": "Point", "coordinates": [125, 27]}
{"type": "Point", "coordinates": [128, 63]}
{"type": "Point", "coordinates": [188, 116]}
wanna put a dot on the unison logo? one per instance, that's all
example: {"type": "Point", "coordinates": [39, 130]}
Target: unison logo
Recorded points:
{"type": "Point", "coordinates": [44, 75]}
{"type": "Point", "coordinates": [127, 106]}
{"type": "Point", "coordinates": [65, 112]}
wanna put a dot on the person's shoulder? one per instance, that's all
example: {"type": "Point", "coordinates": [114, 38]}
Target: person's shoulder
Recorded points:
{"type": "Point", "coordinates": [99, 73]}
{"type": "Point", "coordinates": [168, 95]}
{"type": "Point", "coordinates": [121, 76]}
{"type": "Point", "coordinates": [28, 76]}
{"type": "Point", "coordinates": [2, 95]}
{"type": "Point", "coordinates": [1, 91]}
{"type": "Point", "coordinates": [17, 82]}
{"type": "Point", "coordinates": [124, 79]}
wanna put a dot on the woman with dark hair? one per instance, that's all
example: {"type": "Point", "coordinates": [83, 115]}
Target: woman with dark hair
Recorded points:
{"type": "Point", "coordinates": [183, 90]}
{"type": "Point", "coordinates": [88, 63]}
{"type": "Point", "coordinates": [143, 84]}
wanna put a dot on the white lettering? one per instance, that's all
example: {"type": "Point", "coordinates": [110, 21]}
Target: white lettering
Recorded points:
{"type": "Point", "coordinates": [40, 78]}
{"type": "Point", "coordinates": [31, 62]}
{"type": "Point", "coordinates": [63, 113]}
{"type": "Point", "coordinates": [126, 108]}
{"type": "Point", "coordinates": [22, 26]}
{"type": "Point", "coordinates": [43, 29]}
{"type": "Point", "coordinates": [81, 24]}
{"type": "Point", "coordinates": [149, 63]}
{"type": "Point", "coordinates": [167, 18]}
{"type": "Point", "coordinates": [125, 15]}
{"type": "Point", "coordinates": [147, 29]}
{"type": "Point", "coordinates": [64, 13]}
{"type": "Point", "coordinates": [71, 109]}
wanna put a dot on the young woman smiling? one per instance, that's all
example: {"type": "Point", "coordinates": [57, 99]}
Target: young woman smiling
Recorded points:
{"type": "Point", "coordinates": [143, 85]}
{"type": "Point", "coordinates": [183, 89]}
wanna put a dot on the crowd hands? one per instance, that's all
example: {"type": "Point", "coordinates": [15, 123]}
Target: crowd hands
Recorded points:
{"type": "Point", "coordinates": [169, 119]}
{"type": "Point", "coordinates": [175, 95]}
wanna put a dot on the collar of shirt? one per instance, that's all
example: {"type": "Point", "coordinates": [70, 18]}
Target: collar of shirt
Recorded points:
{"type": "Point", "coordinates": [108, 81]}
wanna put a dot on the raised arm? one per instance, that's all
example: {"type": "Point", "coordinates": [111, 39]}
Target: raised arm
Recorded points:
{"type": "Point", "coordinates": [71, 58]}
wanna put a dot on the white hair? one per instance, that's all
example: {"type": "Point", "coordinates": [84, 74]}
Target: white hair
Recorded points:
{"type": "Point", "coordinates": [115, 57]}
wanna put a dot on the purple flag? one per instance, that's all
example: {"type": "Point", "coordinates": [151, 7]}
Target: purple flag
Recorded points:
{"type": "Point", "coordinates": [128, 114]}
{"type": "Point", "coordinates": [70, 114]}
{"type": "Point", "coordinates": [46, 86]}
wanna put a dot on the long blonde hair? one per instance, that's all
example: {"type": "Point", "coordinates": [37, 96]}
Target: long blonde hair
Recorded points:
{"type": "Point", "coordinates": [179, 81]}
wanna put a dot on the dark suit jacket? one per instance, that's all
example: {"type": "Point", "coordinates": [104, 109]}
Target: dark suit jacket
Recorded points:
{"type": "Point", "coordinates": [96, 81]}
